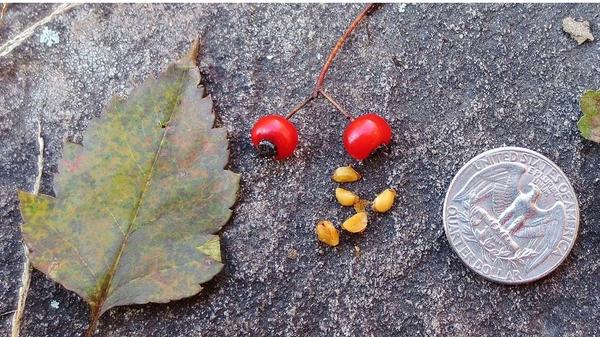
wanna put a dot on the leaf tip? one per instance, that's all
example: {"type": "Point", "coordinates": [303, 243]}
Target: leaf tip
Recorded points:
{"type": "Point", "coordinates": [583, 127]}
{"type": "Point", "coordinates": [211, 248]}
{"type": "Point", "coordinates": [25, 198]}
{"type": "Point", "coordinates": [589, 123]}
{"type": "Point", "coordinates": [189, 59]}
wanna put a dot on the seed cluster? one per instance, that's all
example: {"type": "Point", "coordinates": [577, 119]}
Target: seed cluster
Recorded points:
{"type": "Point", "coordinates": [357, 223]}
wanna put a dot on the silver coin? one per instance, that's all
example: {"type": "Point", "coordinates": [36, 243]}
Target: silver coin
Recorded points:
{"type": "Point", "coordinates": [511, 215]}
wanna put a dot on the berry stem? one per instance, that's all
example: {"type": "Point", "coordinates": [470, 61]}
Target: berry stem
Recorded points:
{"type": "Point", "coordinates": [317, 90]}
{"type": "Point", "coordinates": [338, 46]}
{"type": "Point", "coordinates": [336, 104]}
{"type": "Point", "coordinates": [299, 107]}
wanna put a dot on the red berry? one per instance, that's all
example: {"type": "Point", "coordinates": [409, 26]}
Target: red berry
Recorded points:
{"type": "Point", "coordinates": [365, 134]}
{"type": "Point", "coordinates": [276, 133]}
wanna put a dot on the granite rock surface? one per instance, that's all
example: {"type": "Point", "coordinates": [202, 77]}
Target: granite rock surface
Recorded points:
{"type": "Point", "coordinates": [453, 80]}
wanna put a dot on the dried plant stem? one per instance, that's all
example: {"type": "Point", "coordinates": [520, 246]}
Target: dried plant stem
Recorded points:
{"type": "Point", "coordinates": [317, 90]}
{"type": "Point", "coordinates": [338, 46]}
{"type": "Point", "coordinates": [3, 13]}
{"type": "Point", "coordinates": [299, 107]}
{"type": "Point", "coordinates": [13, 43]}
{"type": "Point", "coordinates": [335, 104]}
{"type": "Point", "coordinates": [26, 276]}
{"type": "Point", "coordinates": [23, 290]}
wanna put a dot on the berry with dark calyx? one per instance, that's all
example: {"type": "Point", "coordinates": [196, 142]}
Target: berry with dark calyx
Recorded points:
{"type": "Point", "coordinates": [274, 135]}
{"type": "Point", "coordinates": [365, 134]}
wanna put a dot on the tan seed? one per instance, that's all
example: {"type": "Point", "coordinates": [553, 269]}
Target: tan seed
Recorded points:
{"type": "Point", "coordinates": [345, 174]}
{"type": "Point", "coordinates": [384, 201]}
{"type": "Point", "coordinates": [327, 233]}
{"type": "Point", "coordinates": [356, 223]}
{"type": "Point", "coordinates": [345, 197]}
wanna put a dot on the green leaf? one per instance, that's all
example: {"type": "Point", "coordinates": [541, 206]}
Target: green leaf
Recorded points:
{"type": "Point", "coordinates": [138, 205]}
{"type": "Point", "coordinates": [589, 124]}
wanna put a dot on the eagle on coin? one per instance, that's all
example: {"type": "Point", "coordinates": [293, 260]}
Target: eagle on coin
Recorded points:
{"type": "Point", "coordinates": [502, 206]}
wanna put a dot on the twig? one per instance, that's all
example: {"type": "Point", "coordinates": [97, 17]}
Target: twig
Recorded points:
{"type": "Point", "coordinates": [338, 46]}
{"type": "Point", "coordinates": [336, 104]}
{"type": "Point", "coordinates": [3, 13]}
{"type": "Point", "coordinates": [336, 49]}
{"type": "Point", "coordinates": [26, 276]}
{"type": "Point", "coordinates": [13, 43]}
{"type": "Point", "coordinates": [40, 162]}
{"type": "Point", "coordinates": [299, 107]}
{"type": "Point", "coordinates": [7, 313]}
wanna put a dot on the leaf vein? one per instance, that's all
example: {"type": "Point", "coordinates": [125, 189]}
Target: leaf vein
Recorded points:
{"type": "Point", "coordinates": [108, 281]}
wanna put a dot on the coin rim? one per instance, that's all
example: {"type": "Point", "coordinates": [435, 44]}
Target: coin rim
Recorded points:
{"type": "Point", "coordinates": [513, 148]}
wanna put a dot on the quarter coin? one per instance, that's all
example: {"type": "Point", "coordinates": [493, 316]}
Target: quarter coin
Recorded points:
{"type": "Point", "coordinates": [511, 215]}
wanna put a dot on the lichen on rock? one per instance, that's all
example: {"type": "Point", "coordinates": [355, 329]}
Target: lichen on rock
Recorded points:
{"type": "Point", "coordinates": [579, 30]}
